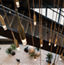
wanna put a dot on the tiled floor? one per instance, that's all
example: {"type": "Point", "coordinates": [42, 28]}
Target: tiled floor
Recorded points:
{"type": "Point", "coordinates": [25, 59]}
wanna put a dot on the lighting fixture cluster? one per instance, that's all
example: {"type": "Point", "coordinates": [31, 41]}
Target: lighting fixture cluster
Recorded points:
{"type": "Point", "coordinates": [17, 3]}
{"type": "Point", "coordinates": [3, 23]}
{"type": "Point", "coordinates": [50, 42]}
{"type": "Point", "coordinates": [33, 52]}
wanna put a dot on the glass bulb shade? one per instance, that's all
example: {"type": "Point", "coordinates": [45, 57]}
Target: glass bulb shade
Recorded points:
{"type": "Point", "coordinates": [10, 12]}
{"type": "Point", "coordinates": [35, 58]}
{"type": "Point", "coordinates": [4, 27]}
{"type": "Point", "coordinates": [17, 4]}
{"type": "Point", "coordinates": [24, 42]}
{"type": "Point", "coordinates": [34, 23]}
{"type": "Point", "coordinates": [49, 44]}
{"type": "Point", "coordinates": [18, 48]}
{"type": "Point", "coordinates": [41, 45]}
{"type": "Point", "coordinates": [34, 17]}
{"type": "Point", "coordinates": [60, 58]}
{"type": "Point", "coordinates": [54, 45]}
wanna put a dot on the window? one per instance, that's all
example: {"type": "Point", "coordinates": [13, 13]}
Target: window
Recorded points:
{"type": "Point", "coordinates": [49, 13]}
{"type": "Point", "coordinates": [42, 10]}
{"type": "Point", "coordinates": [52, 13]}
{"type": "Point", "coordinates": [61, 20]}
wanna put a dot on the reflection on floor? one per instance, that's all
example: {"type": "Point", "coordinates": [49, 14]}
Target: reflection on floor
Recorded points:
{"type": "Point", "coordinates": [25, 59]}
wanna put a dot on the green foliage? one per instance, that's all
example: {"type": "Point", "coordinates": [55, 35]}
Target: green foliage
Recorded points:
{"type": "Point", "coordinates": [49, 57]}
{"type": "Point", "coordinates": [13, 46]}
{"type": "Point", "coordinates": [32, 54]}
{"type": "Point", "coordinates": [8, 51]}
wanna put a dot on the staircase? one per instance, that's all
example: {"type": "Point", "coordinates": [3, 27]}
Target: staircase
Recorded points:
{"type": "Point", "coordinates": [26, 22]}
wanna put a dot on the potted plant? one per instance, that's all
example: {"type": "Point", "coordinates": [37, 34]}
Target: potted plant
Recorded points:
{"type": "Point", "coordinates": [11, 50]}
{"type": "Point", "coordinates": [49, 58]}
{"type": "Point", "coordinates": [8, 51]}
{"type": "Point", "coordinates": [33, 52]}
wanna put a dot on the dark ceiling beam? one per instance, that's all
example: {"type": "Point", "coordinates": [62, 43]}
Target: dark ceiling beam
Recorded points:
{"type": "Point", "coordinates": [24, 3]}
{"type": "Point", "coordinates": [46, 3]}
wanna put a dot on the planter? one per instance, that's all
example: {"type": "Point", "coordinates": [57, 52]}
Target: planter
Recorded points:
{"type": "Point", "coordinates": [12, 53]}
{"type": "Point", "coordinates": [48, 63]}
{"type": "Point", "coordinates": [49, 58]}
{"type": "Point", "coordinates": [53, 64]}
{"type": "Point", "coordinates": [26, 49]}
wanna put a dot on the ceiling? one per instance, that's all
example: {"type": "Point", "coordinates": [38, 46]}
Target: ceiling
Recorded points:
{"type": "Point", "coordinates": [45, 3]}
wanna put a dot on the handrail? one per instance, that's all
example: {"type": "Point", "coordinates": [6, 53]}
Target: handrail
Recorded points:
{"type": "Point", "coordinates": [14, 12]}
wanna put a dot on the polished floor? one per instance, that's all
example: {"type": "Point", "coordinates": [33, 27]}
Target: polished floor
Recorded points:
{"type": "Point", "coordinates": [25, 59]}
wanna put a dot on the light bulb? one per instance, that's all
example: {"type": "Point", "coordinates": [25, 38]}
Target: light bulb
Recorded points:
{"type": "Point", "coordinates": [54, 45]}
{"type": "Point", "coordinates": [4, 27]}
{"type": "Point", "coordinates": [60, 58]}
{"type": "Point", "coordinates": [18, 48]}
{"type": "Point", "coordinates": [24, 42]}
{"type": "Point", "coordinates": [34, 23]}
{"type": "Point", "coordinates": [35, 58]}
{"type": "Point", "coordinates": [17, 4]}
{"type": "Point", "coordinates": [10, 12]}
{"type": "Point", "coordinates": [41, 45]}
{"type": "Point", "coordinates": [49, 44]}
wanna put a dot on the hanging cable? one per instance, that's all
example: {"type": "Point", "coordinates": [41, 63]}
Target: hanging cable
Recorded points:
{"type": "Point", "coordinates": [56, 38]}
{"type": "Point", "coordinates": [20, 27]}
{"type": "Point", "coordinates": [55, 28]}
{"type": "Point", "coordinates": [34, 16]}
{"type": "Point", "coordinates": [30, 21]}
{"type": "Point", "coordinates": [40, 28]}
{"type": "Point", "coordinates": [61, 47]}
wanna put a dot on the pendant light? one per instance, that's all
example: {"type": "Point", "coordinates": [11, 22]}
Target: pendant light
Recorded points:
{"type": "Point", "coordinates": [55, 42]}
{"type": "Point", "coordinates": [41, 43]}
{"type": "Point", "coordinates": [17, 3]}
{"type": "Point", "coordinates": [34, 17]}
{"type": "Point", "coordinates": [16, 43]}
{"type": "Point", "coordinates": [22, 34]}
{"type": "Point", "coordinates": [3, 23]}
{"type": "Point", "coordinates": [49, 42]}
{"type": "Point", "coordinates": [35, 58]}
